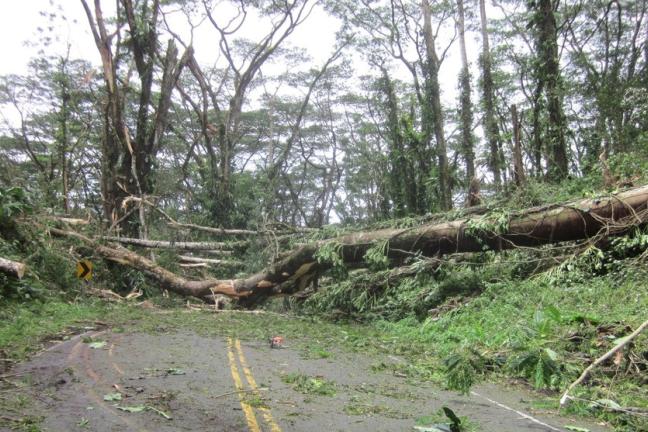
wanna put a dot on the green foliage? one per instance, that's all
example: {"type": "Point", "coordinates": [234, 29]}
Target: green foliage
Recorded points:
{"type": "Point", "coordinates": [13, 202]}
{"type": "Point", "coordinates": [462, 369]}
{"type": "Point", "coordinates": [310, 385]}
{"type": "Point", "coordinates": [331, 253]}
{"type": "Point", "coordinates": [376, 256]}
{"type": "Point", "coordinates": [493, 224]}
{"type": "Point", "coordinates": [533, 350]}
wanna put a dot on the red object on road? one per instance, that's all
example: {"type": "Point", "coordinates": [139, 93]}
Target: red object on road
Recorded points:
{"type": "Point", "coordinates": [276, 342]}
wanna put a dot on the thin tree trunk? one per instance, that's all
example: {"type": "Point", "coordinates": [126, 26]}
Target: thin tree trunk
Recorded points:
{"type": "Point", "coordinates": [518, 165]}
{"type": "Point", "coordinates": [490, 123]}
{"type": "Point", "coordinates": [163, 244]}
{"type": "Point", "coordinates": [434, 109]}
{"type": "Point", "coordinates": [467, 138]}
{"type": "Point", "coordinates": [549, 77]}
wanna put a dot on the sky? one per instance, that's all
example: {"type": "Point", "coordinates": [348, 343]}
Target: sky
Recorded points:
{"type": "Point", "coordinates": [19, 33]}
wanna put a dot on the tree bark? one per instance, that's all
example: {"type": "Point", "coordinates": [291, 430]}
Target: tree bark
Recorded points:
{"type": "Point", "coordinates": [434, 113]}
{"type": "Point", "coordinates": [163, 244]}
{"type": "Point", "coordinates": [490, 122]}
{"type": "Point", "coordinates": [548, 71]}
{"type": "Point", "coordinates": [12, 268]}
{"type": "Point", "coordinates": [518, 164]}
{"type": "Point", "coordinates": [467, 138]}
{"type": "Point", "coordinates": [200, 260]}
{"type": "Point", "coordinates": [576, 220]}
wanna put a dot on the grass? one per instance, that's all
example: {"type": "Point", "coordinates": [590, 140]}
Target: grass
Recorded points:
{"type": "Point", "coordinates": [24, 328]}
{"type": "Point", "coordinates": [359, 407]}
{"type": "Point", "coordinates": [310, 385]}
{"type": "Point", "coordinates": [561, 310]}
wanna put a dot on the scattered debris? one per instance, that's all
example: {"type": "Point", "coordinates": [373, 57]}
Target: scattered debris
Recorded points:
{"type": "Point", "coordinates": [276, 342]}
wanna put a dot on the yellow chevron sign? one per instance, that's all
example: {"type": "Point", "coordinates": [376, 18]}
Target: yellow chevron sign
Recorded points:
{"type": "Point", "coordinates": [84, 269]}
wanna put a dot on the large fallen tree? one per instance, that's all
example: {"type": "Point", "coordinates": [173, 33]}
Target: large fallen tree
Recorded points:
{"type": "Point", "coordinates": [585, 219]}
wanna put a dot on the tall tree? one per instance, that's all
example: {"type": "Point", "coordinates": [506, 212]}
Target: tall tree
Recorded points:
{"type": "Point", "coordinates": [129, 153]}
{"type": "Point", "coordinates": [491, 127]}
{"type": "Point", "coordinates": [466, 108]}
{"type": "Point", "coordinates": [549, 84]}
{"type": "Point", "coordinates": [222, 95]}
{"type": "Point", "coordinates": [433, 113]}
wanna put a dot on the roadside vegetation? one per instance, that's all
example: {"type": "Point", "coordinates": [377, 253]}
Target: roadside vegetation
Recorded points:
{"type": "Point", "coordinates": [536, 317]}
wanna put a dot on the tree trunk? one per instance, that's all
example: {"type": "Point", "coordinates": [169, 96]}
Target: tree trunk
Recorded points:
{"type": "Point", "coordinates": [518, 165]}
{"type": "Point", "coordinates": [576, 220]}
{"type": "Point", "coordinates": [490, 122]}
{"type": "Point", "coordinates": [467, 138]}
{"type": "Point", "coordinates": [12, 268]}
{"type": "Point", "coordinates": [549, 79]}
{"type": "Point", "coordinates": [434, 119]}
{"type": "Point", "coordinates": [162, 244]}
{"type": "Point", "coordinates": [128, 156]}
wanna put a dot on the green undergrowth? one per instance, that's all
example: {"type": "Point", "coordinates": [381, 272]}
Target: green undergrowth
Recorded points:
{"type": "Point", "coordinates": [27, 328]}
{"type": "Point", "coordinates": [515, 315]}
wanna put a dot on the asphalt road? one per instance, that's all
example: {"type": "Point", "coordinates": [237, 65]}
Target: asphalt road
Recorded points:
{"type": "Point", "coordinates": [220, 384]}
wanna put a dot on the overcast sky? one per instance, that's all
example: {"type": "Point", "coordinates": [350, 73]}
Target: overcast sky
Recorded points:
{"type": "Point", "coordinates": [21, 39]}
{"type": "Point", "coordinates": [19, 32]}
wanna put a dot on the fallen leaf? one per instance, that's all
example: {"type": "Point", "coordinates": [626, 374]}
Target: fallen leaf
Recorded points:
{"type": "Point", "coordinates": [133, 409]}
{"type": "Point", "coordinates": [112, 397]}
{"type": "Point", "coordinates": [160, 412]}
{"type": "Point", "coordinates": [97, 344]}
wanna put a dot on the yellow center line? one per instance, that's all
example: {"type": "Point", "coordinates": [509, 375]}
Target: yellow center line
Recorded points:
{"type": "Point", "coordinates": [247, 409]}
{"type": "Point", "coordinates": [274, 427]}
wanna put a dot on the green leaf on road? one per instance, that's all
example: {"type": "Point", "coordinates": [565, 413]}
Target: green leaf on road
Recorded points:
{"type": "Point", "coordinates": [133, 409]}
{"type": "Point", "coordinates": [110, 397]}
{"type": "Point", "coordinates": [97, 344]}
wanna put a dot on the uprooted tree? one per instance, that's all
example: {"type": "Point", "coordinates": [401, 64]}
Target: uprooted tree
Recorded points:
{"type": "Point", "coordinates": [587, 219]}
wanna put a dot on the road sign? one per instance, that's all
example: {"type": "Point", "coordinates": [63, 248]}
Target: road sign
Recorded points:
{"type": "Point", "coordinates": [84, 269]}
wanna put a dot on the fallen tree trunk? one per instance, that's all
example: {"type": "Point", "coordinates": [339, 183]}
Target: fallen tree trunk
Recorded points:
{"type": "Point", "coordinates": [12, 268]}
{"type": "Point", "coordinates": [163, 244]}
{"type": "Point", "coordinates": [576, 220]}
{"type": "Point", "coordinates": [219, 231]}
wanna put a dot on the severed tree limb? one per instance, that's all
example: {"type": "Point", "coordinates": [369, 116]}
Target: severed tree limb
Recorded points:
{"type": "Point", "coordinates": [219, 231]}
{"type": "Point", "coordinates": [12, 268]}
{"type": "Point", "coordinates": [71, 221]}
{"type": "Point", "coordinates": [565, 397]}
{"type": "Point", "coordinates": [194, 265]}
{"type": "Point", "coordinates": [575, 220]}
{"type": "Point", "coordinates": [163, 244]}
{"type": "Point", "coordinates": [191, 259]}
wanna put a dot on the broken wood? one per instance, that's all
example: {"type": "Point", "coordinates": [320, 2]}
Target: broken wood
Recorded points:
{"type": "Point", "coordinates": [565, 397]}
{"type": "Point", "coordinates": [219, 231]}
{"type": "Point", "coordinates": [164, 244]}
{"type": "Point", "coordinates": [194, 265]}
{"type": "Point", "coordinates": [191, 259]}
{"type": "Point", "coordinates": [71, 221]}
{"type": "Point", "coordinates": [576, 220]}
{"type": "Point", "coordinates": [12, 268]}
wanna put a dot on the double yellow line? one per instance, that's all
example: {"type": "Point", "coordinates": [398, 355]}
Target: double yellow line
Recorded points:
{"type": "Point", "coordinates": [232, 347]}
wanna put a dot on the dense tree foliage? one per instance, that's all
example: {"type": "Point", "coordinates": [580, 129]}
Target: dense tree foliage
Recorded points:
{"type": "Point", "coordinates": [256, 132]}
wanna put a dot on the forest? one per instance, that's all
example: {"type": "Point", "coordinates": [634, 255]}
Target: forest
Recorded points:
{"type": "Point", "coordinates": [466, 181]}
